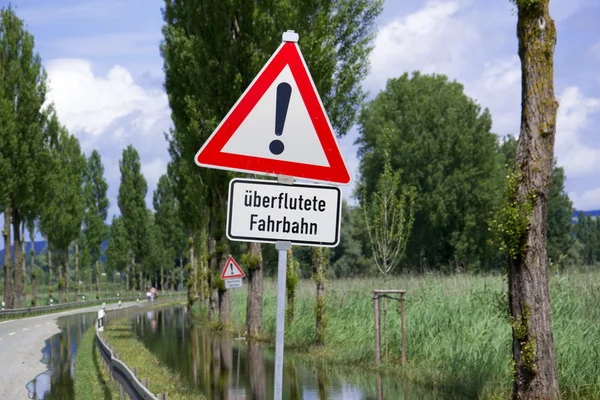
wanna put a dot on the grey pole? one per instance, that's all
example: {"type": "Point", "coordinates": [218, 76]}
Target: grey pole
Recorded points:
{"type": "Point", "coordinates": [282, 248]}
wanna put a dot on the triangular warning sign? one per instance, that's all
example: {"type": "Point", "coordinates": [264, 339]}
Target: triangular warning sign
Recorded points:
{"type": "Point", "coordinates": [278, 126]}
{"type": "Point", "coordinates": [232, 270]}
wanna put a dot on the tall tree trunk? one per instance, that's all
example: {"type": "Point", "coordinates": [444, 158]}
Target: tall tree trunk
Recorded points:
{"type": "Point", "coordinates": [224, 295]}
{"type": "Point", "coordinates": [133, 273]}
{"type": "Point", "coordinates": [127, 281]}
{"type": "Point", "coordinates": [214, 293]}
{"type": "Point", "coordinates": [162, 278]}
{"type": "Point", "coordinates": [67, 274]}
{"type": "Point", "coordinates": [50, 277]}
{"type": "Point", "coordinates": [320, 258]}
{"type": "Point", "coordinates": [61, 281]}
{"type": "Point", "coordinates": [290, 285]}
{"type": "Point", "coordinates": [535, 373]}
{"type": "Point", "coordinates": [191, 278]}
{"type": "Point", "coordinates": [141, 274]}
{"type": "Point", "coordinates": [76, 272]}
{"type": "Point", "coordinates": [18, 288]}
{"type": "Point", "coordinates": [254, 304]}
{"type": "Point", "coordinates": [33, 272]}
{"type": "Point", "coordinates": [23, 267]}
{"type": "Point", "coordinates": [97, 279]}
{"type": "Point", "coordinates": [8, 273]}
{"type": "Point", "coordinates": [172, 280]}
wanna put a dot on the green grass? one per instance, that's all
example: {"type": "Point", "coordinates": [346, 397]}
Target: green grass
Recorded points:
{"type": "Point", "coordinates": [91, 380]}
{"type": "Point", "coordinates": [162, 380]}
{"type": "Point", "coordinates": [458, 336]}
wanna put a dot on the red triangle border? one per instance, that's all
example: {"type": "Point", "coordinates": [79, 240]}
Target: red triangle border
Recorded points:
{"type": "Point", "coordinates": [211, 155]}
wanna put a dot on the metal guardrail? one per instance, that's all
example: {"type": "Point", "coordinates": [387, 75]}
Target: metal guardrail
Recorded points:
{"type": "Point", "coordinates": [136, 388]}
{"type": "Point", "coordinates": [43, 309]}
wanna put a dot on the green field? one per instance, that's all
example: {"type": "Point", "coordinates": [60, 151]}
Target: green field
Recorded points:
{"type": "Point", "coordinates": [458, 336]}
{"type": "Point", "coordinates": [107, 290]}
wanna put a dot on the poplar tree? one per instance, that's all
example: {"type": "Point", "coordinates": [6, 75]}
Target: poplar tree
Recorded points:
{"type": "Point", "coordinates": [118, 249]}
{"type": "Point", "coordinates": [525, 215]}
{"type": "Point", "coordinates": [64, 205]}
{"type": "Point", "coordinates": [97, 203]}
{"type": "Point", "coordinates": [212, 51]}
{"type": "Point", "coordinates": [22, 94]}
{"type": "Point", "coordinates": [132, 203]}
{"type": "Point", "coordinates": [168, 222]}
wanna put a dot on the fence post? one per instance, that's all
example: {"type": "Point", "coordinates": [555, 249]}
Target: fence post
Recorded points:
{"type": "Point", "coordinates": [377, 343]}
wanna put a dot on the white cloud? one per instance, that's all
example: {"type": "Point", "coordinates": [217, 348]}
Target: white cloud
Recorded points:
{"type": "Point", "coordinates": [91, 103]}
{"type": "Point", "coordinates": [435, 38]}
{"type": "Point", "coordinates": [499, 89]}
{"type": "Point", "coordinates": [108, 113]}
{"type": "Point", "coordinates": [578, 158]}
{"type": "Point", "coordinates": [588, 200]}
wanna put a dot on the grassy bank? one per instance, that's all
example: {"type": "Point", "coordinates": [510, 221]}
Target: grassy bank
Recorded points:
{"type": "Point", "coordinates": [458, 336]}
{"type": "Point", "coordinates": [162, 380]}
{"type": "Point", "coordinates": [91, 381]}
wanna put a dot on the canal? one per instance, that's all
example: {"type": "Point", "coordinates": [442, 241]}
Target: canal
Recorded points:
{"type": "Point", "coordinates": [58, 354]}
{"type": "Point", "coordinates": [223, 368]}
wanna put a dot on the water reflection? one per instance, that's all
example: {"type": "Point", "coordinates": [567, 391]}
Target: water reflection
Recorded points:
{"type": "Point", "coordinates": [222, 368]}
{"type": "Point", "coordinates": [59, 355]}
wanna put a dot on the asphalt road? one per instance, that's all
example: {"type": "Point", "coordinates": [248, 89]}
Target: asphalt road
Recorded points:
{"type": "Point", "coordinates": [21, 343]}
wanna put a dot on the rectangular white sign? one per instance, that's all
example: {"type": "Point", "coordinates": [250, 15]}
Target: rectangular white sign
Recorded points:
{"type": "Point", "coordinates": [269, 212]}
{"type": "Point", "coordinates": [233, 283]}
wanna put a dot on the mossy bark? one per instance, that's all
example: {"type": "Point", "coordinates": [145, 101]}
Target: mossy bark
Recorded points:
{"type": "Point", "coordinates": [8, 273]}
{"type": "Point", "coordinates": [535, 373]}
{"type": "Point", "coordinates": [320, 258]}
{"type": "Point", "coordinates": [224, 294]}
{"type": "Point", "coordinates": [97, 279]}
{"type": "Point", "coordinates": [33, 273]}
{"type": "Point", "coordinates": [50, 277]}
{"type": "Point", "coordinates": [67, 270]}
{"type": "Point", "coordinates": [76, 272]}
{"type": "Point", "coordinates": [254, 306]}
{"type": "Point", "coordinates": [214, 295]}
{"type": "Point", "coordinates": [291, 281]}
{"type": "Point", "coordinates": [18, 267]}
{"type": "Point", "coordinates": [191, 278]}
{"type": "Point", "coordinates": [23, 267]}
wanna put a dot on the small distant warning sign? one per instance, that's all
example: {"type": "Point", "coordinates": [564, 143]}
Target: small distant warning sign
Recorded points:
{"type": "Point", "coordinates": [278, 126]}
{"type": "Point", "coordinates": [232, 270]}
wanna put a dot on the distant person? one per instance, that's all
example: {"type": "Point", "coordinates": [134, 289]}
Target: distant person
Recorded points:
{"type": "Point", "coordinates": [149, 296]}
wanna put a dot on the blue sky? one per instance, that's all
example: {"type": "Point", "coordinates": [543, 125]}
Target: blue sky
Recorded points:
{"type": "Point", "coordinates": [105, 73]}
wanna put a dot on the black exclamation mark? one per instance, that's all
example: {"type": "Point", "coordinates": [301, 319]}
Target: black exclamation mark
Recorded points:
{"type": "Point", "coordinates": [231, 268]}
{"type": "Point", "coordinates": [284, 91]}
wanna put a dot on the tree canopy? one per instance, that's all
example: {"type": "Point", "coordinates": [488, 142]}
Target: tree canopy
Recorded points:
{"type": "Point", "coordinates": [442, 143]}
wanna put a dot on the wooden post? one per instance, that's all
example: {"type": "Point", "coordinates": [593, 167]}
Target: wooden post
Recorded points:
{"type": "Point", "coordinates": [146, 382]}
{"type": "Point", "coordinates": [377, 338]}
{"type": "Point", "coordinates": [134, 370]}
{"type": "Point", "coordinates": [403, 330]}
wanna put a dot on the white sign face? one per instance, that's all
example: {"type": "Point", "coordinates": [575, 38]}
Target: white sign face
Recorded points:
{"type": "Point", "coordinates": [233, 283]}
{"type": "Point", "coordinates": [269, 212]}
